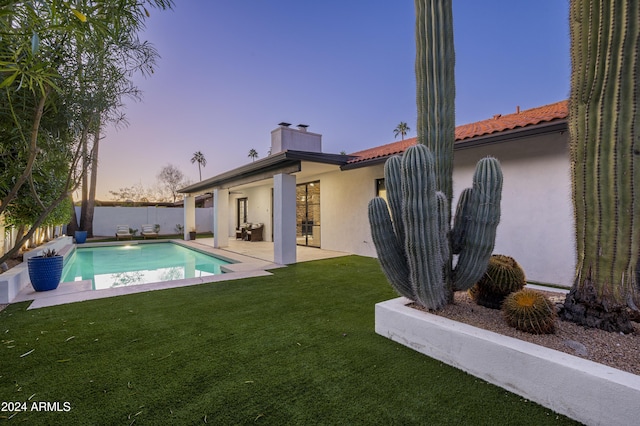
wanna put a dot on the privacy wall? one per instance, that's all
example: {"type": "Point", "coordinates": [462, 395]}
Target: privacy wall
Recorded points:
{"type": "Point", "coordinates": [106, 219]}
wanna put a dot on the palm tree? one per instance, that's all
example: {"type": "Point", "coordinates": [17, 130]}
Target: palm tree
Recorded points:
{"type": "Point", "coordinates": [198, 157]}
{"type": "Point", "coordinates": [253, 154]}
{"type": "Point", "coordinates": [401, 130]}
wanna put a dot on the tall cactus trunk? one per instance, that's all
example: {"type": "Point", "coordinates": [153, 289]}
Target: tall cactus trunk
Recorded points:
{"type": "Point", "coordinates": [414, 243]}
{"type": "Point", "coordinates": [435, 86]}
{"type": "Point", "coordinates": [605, 157]}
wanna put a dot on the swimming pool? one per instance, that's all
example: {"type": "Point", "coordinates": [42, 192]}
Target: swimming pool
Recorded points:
{"type": "Point", "coordinates": [133, 264]}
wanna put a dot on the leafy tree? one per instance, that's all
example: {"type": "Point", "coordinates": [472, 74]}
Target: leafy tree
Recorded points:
{"type": "Point", "coordinates": [604, 118]}
{"type": "Point", "coordinates": [253, 154]}
{"type": "Point", "coordinates": [43, 200]}
{"type": "Point", "coordinates": [172, 179]}
{"type": "Point", "coordinates": [198, 157]}
{"type": "Point", "coordinates": [402, 129]}
{"type": "Point", "coordinates": [132, 194]}
{"type": "Point", "coordinates": [47, 54]}
{"type": "Point", "coordinates": [105, 65]}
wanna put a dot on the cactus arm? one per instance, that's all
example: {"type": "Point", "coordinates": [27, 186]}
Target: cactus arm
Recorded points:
{"type": "Point", "coordinates": [443, 227]}
{"type": "Point", "coordinates": [393, 184]}
{"type": "Point", "coordinates": [419, 214]}
{"type": "Point", "coordinates": [390, 250]}
{"type": "Point", "coordinates": [461, 221]}
{"type": "Point", "coordinates": [481, 231]}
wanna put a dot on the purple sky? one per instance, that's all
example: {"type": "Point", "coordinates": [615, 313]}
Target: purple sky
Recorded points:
{"type": "Point", "coordinates": [231, 70]}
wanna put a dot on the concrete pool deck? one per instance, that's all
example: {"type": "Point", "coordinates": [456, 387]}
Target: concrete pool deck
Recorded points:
{"type": "Point", "coordinates": [249, 260]}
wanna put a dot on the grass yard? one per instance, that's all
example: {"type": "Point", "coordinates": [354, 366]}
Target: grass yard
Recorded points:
{"type": "Point", "coordinates": [295, 348]}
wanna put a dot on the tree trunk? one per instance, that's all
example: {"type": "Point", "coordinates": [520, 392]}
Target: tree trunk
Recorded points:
{"type": "Point", "coordinates": [72, 226]}
{"type": "Point", "coordinates": [21, 237]}
{"type": "Point", "coordinates": [605, 158]}
{"type": "Point", "coordinates": [91, 200]}
{"type": "Point", "coordinates": [85, 176]}
{"type": "Point", "coordinates": [33, 151]}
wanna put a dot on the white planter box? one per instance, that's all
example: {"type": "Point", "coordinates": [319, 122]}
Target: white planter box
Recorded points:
{"type": "Point", "coordinates": [586, 391]}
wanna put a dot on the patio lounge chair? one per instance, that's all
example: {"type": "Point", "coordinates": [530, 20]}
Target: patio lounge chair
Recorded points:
{"type": "Point", "coordinates": [255, 233]}
{"type": "Point", "coordinates": [122, 233]}
{"type": "Point", "coordinates": [148, 231]}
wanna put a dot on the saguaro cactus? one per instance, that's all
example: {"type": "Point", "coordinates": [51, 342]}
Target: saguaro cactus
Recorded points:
{"type": "Point", "coordinates": [604, 119]}
{"type": "Point", "coordinates": [415, 243]}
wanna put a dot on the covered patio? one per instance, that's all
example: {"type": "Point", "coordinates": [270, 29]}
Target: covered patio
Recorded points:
{"type": "Point", "coordinates": [271, 187]}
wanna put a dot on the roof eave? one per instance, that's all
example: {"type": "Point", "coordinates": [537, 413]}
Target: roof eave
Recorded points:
{"type": "Point", "coordinates": [289, 160]}
{"type": "Point", "coordinates": [558, 125]}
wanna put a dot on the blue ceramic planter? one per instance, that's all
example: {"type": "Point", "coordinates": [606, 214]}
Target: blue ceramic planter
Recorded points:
{"type": "Point", "coordinates": [45, 272]}
{"type": "Point", "coordinates": [81, 237]}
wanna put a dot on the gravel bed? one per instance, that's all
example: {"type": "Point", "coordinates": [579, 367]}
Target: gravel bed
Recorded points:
{"type": "Point", "coordinates": [617, 350]}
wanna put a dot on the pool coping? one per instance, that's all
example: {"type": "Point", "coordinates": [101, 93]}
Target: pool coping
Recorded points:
{"type": "Point", "coordinates": [78, 291]}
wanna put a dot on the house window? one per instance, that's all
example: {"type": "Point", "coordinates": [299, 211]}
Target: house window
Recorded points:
{"type": "Point", "coordinates": [381, 189]}
{"type": "Point", "coordinates": [241, 212]}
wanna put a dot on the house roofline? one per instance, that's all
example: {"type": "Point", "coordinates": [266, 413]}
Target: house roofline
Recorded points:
{"type": "Point", "coordinates": [559, 125]}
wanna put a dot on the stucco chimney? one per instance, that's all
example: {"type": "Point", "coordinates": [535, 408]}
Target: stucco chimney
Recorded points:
{"type": "Point", "coordinates": [285, 138]}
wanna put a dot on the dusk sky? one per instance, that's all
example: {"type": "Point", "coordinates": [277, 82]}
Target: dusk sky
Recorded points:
{"type": "Point", "coordinates": [231, 70]}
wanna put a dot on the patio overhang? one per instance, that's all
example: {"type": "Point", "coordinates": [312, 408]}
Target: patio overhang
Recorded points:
{"type": "Point", "coordinates": [286, 162]}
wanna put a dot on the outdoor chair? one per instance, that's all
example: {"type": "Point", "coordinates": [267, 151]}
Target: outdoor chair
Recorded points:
{"type": "Point", "coordinates": [241, 232]}
{"type": "Point", "coordinates": [255, 232]}
{"type": "Point", "coordinates": [122, 233]}
{"type": "Point", "coordinates": [148, 231]}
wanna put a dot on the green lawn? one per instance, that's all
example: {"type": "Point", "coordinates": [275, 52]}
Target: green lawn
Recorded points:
{"type": "Point", "coordinates": [294, 348]}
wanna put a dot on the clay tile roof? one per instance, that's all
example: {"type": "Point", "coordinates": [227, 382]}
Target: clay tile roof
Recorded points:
{"type": "Point", "coordinates": [497, 123]}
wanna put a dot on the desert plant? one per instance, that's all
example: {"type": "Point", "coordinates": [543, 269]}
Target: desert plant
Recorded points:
{"type": "Point", "coordinates": [530, 311]}
{"type": "Point", "coordinates": [49, 253]}
{"type": "Point", "coordinates": [603, 119]}
{"type": "Point", "coordinates": [179, 228]}
{"type": "Point", "coordinates": [503, 276]}
{"type": "Point", "coordinates": [415, 243]}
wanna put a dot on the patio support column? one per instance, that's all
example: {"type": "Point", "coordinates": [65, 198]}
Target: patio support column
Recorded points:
{"type": "Point", "coordinates": [189, 215]}
{"type": "Point", "coordinates": [220, 218]}
{"type": "Point", "coordinates": [284, 219]}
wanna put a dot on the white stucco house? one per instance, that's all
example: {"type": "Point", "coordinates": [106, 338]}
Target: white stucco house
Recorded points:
{"type": "Point", "coordinates": [304, 196]}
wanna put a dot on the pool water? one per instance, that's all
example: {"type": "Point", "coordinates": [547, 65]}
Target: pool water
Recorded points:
{"type": "Point", "coordinates": [133, 264]}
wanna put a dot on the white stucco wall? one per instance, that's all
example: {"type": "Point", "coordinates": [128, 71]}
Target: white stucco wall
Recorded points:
{"type": "Point", "coordinates": [106, 219]}
{"type": "Point", "coordinates": [258, 207]}
{"type": "Point", "coordinates": [536, 226]}
{"type": "Point", "coordinates": [344, 199]}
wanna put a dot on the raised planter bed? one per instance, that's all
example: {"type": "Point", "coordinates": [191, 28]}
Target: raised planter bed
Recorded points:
{"type": "Point", "coordinates": [588, 392]}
